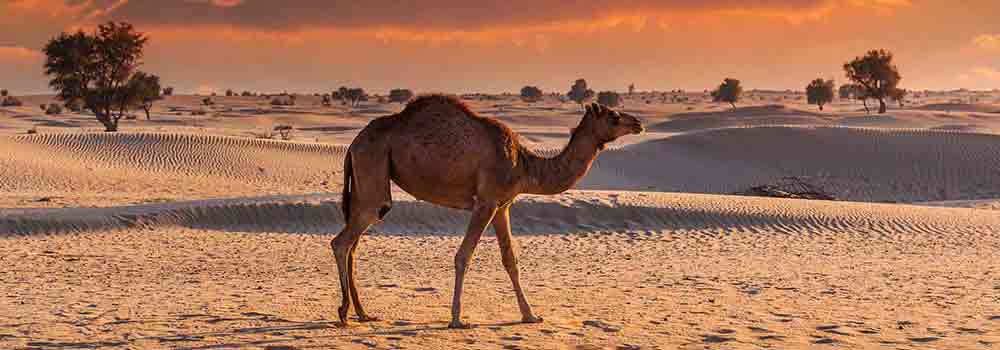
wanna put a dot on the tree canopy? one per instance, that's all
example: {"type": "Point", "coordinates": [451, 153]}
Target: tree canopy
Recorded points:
{"type": "Point", "coordinates": [96, 69]}
{"type": "Point", "coordinates": [820, 92]}
{"type": "Point", "coordinates": [729, 91]}
{"type": "Point", "coordinates": [875, 74]}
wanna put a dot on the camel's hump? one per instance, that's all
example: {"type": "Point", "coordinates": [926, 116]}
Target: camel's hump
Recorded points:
{"type": "Point", "coordinates": [427, 101]}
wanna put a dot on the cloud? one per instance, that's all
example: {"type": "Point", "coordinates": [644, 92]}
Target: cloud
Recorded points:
{"type": "Point", "coordinates": [14, 54]}
{"type": "Point", "coordinates": [453, 15]}
{"type": "Point", "coordinates": [987, 41]}
{"type": "Point", "coordinates": [988, 73]}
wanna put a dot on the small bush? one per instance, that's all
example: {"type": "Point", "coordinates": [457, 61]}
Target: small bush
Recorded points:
{"type": "Point", "coordinates": [609, 98]}
{"type": "Point", "coordinates": [283, 101]}
{"type": "Point", "coordinates": [199, 112]}
{"type": "Point", "coordinates": [32, 131]}
{"type": "Point", "coordinates": [53, 109]}
{"type": "Point", "coordinates": [3, 93]}
{"type": "Point", "coordinates": [285, 131]}
{"type": "Point", "coordinates": [11, 101]}
{"type": "Point", "coordinates": [400, 95]}
{"type": "Point", "coordinates": [208, 101]}
{"type": "Point", "coordinates": [531, 94]}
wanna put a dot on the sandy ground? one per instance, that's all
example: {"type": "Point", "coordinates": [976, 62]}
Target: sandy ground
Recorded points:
{"type": "Point", "coordinates": [193, 232]}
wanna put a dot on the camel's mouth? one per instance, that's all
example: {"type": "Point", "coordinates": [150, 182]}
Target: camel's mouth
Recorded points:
{"type": "Point", "coordinates": [638, 129]}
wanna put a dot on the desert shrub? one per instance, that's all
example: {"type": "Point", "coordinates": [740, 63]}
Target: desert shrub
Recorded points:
{"type": "Point", "coordinates": [199, 112]}
{"type": "Point", "coordinates": [230, 93]}
{"type": "Point", "coordinates": [609, 98]}
{"type": "Point", "coordinates": [285, 131]}
{"type": "Point", "coordinates": [32, 131]}
{"type": "Point", "coordinates": [53, 109]}
{"type": "Point", "coordinates": [43, 107]}
{"type": "Point", "coordinates": [207, 101]}
{"type": "Point", "coordinates": [246, 94]}
{"type": "Point", "coordinates": [531, 94]}
{"type": "Point", "coordinates": [10, 101]}
{"type": "Point", "coordinates": [820, 92]}
{"type": "Point", "coordinates": [4, 92]}
{"type": "Point", "coordinates": [168, 91]}
{"type": "Point", "coordinates": [876, 75]}
{"type": "Point", "coordinates": [579, 92]}
{"type": "Point", "coordinates": [283, 101]}
{"type": "Point", "coordinates": [400, 95]}
{"type": "Point", "coordinates": [729, 91]}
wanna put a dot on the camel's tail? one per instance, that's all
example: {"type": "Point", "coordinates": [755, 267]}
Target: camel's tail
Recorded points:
{"type": "Point", "coordinates": [345, 200]}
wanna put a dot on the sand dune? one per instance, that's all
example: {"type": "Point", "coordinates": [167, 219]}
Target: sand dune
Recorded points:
{"type": "Point", "coordinates": [861, 164]}
{"type": "Point", "coordinates": [575, 212]}
{"type": "Point", "coordinates": [75, 167]}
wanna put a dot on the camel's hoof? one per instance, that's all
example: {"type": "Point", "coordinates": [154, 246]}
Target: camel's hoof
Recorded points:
{"type": "Point", "coordinates": [366, 318]}
{"type": "Point", "coordinates": [459, 325]}
{"type": "Point", "coordinates": [532, 319]}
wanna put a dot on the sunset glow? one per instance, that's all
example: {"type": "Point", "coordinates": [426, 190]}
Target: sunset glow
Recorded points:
{"type": "Point", "coordinates": [446, 45]}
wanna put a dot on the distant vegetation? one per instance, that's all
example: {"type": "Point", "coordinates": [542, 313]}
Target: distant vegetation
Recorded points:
{"type": "Point", "coordinates": [876, 76]}
{"type": "Point", "coordinates": [97, 69]}
{"type": "Point", "coordinates": [400, 95]}
{"type": "Point", "coordinates": [52, 109]}
{"type": "Point", "coordinates": [579, 92]}
{"type": "Point", "coordinates": [145, 90]}
{"type": "Point", "coordinates": [350, 96]}
{"type": "Point", "coordinates": [609, 98]}
{"type": "Point", "coordinates": [820, 92]}
{"type": "Point", "coordinates": [729, 91]}
{"type": "Point", "coordinates": [10, 101]}
{"type": "Point", "coordinates": [168, 91]}
{"type": "Point", "coordinates": [531, 94]}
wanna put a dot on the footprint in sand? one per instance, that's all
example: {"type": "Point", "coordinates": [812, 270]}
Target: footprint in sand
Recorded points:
{"type": "Point", "coordinates": [923, 339]}
{"type": "Point", "coordinates": [712, 338]}
{"type": "Point", "coordinates": [604, 326]}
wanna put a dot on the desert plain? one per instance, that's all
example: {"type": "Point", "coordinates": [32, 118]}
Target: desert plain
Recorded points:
{"type": "Point", "coordinates": [199, 228]}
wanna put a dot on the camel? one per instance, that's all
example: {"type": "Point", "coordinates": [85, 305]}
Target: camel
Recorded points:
{"type": "Point", "coordinates": [440, 151]}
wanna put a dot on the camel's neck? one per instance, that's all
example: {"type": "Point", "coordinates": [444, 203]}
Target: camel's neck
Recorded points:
{"type": "Point", "coordinates": [558, 174]}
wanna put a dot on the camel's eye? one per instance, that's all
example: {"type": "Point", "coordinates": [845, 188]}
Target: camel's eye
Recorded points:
{"type": "Point", "coordinates": [616, 118]}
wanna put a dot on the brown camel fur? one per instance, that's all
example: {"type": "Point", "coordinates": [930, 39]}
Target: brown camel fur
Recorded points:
{"type": "Point", "coordinates": [441, 152]}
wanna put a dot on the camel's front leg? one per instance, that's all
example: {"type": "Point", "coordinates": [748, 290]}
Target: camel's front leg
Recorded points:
{"type": "Point", "coordinates": [482, 214]}
{"type": "Point", "coordinates": [508, 251]}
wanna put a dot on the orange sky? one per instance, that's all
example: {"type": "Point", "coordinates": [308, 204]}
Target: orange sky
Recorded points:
{"type": "Point", "coordinates": [461, 45]}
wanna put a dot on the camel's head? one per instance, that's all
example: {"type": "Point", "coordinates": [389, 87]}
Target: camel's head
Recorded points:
{"type": "Point", "coordinates": [608, 124]}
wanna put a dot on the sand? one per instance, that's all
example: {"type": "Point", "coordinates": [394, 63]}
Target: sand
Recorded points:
{"type": "Point", "coordinates": [193, 232]}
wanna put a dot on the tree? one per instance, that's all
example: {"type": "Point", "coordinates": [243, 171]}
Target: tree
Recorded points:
{"type": "Point", "coordinates": [899, 96]}
{"type": "Point", "coordinates": [531, 94]}
{"type": "Point", "coordinates": [96, 68]}
{"type": "Point", "coordinates": [876, 74]}
{"type": "Point", "coordinates": [579, 92]}
{"type": "Point", "coordinates": [356, 95]}
{"type": "Point", "coordinates": [729, 91]}
{"type": "Point", "coordinates": [848, 91]}
{"type": "Point", "coordinates": [609, 98]}
{"type": "Point", "coordinates": [146, 89]}
{"type": "Point", "coordinates": [820, 92]}
{"type": "Point", "coordinates": [400, 95]}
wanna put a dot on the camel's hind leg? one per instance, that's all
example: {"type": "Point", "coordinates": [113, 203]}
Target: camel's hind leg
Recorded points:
{"type": "Point", "coordinates": [369, 201]}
